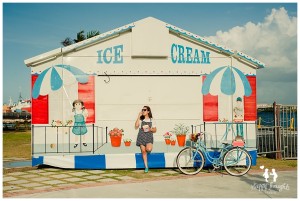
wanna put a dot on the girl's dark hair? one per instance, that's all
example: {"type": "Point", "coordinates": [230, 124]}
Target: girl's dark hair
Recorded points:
{"type": "Point", "coordinates": [150, 113]}
{"type": "Point", "coordinates": [78, 101]}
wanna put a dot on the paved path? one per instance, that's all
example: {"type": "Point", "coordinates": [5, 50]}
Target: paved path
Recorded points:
{"type": "Point", "coordinates": [204, 185]}
{"type": "Point", "coordinates": [19, 181]}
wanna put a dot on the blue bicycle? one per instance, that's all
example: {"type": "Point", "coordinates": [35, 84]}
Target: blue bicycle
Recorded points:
{"type": "Point", "coordinates": [233, 157]}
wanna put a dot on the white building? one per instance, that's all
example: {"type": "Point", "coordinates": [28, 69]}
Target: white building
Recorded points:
{"type": "Point", "coordinates": [183, 78]}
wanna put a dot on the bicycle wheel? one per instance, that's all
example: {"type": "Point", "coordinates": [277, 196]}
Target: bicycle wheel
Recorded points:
{"type": "Point", "coordinates": [237, 161]}
{"type": "Point", "coordinates": [190, 161]}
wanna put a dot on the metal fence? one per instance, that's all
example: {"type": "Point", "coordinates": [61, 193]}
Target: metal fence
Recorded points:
{"type": "Point", "coordinates": [266, 140]}
{"type": "Point", "coordinates": [16, 115]}
{"type": "Point", "coordinates": [289, 134]}
{"type": "Point", "coordinates": [57, 139]}
{"type": "Point", "coordinates": [289, 141]}
{"type": "Point", "coordinates": [219, 132]}
{"type": "Point", "coordinates": [279, 141]}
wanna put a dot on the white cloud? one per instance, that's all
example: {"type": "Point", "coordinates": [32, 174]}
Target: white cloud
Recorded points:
{"type": "Point", "coordinates": [273, 42]}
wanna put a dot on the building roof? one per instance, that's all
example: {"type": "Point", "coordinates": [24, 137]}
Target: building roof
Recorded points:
{"type": "Point", "coordinates": [97, 39]}
{"type": "Point", "coordinates": [212, 45]}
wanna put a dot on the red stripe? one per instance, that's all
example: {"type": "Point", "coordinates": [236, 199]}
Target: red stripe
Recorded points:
{"type": "Point", "coordinates": [86, 93]}
{"type": "Point", "coordinates": [210, 106]}
{"type": "Point", "coordinates": [250, 110]}
{"type": "Point", "coordinates": [40, 112]}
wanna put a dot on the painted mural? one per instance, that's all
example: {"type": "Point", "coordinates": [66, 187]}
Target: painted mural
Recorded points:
{"type": "Point", "coordinates": [68, 82]}
{"type": "Point", "coordinates": [79, 117]}
{"type": "Point", "coordinates": [223, 84]}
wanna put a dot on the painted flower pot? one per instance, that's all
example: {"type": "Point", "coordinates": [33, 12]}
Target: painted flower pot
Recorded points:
{"type": "Point", "coordinates": [168, 141]}
{"type": "Point", "coordinates": [181, 140]}
{"type": "Point", "coordinates": [127, 144]}
{"type": "Point", "coordinates": [173, 142]}
{"type": "Point", "coordinates": [116, 140]}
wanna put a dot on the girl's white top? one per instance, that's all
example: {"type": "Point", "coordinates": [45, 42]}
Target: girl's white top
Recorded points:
{"type": "Point", "coordinates": [148, 120]}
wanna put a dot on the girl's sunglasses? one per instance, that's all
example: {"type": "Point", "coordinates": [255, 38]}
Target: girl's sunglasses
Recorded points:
{"type": "Point", "coordinates": [144, 110]}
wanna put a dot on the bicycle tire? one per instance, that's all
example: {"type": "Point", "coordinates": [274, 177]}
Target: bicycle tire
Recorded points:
{"type": "Point", "coordinates": [187, 163]}
{"type": "Point", "coordinates": [237, 161]}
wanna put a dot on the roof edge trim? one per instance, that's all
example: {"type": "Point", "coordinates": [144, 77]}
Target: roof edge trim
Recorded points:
{"type": "Point", "coordinates": [60, 51]}
{"type": "Point", "coordinates": [98, 38]}
{"type": "Point", "coordinates": [218, 47]}
{"type": "Point", "coordinates": [43, 57]}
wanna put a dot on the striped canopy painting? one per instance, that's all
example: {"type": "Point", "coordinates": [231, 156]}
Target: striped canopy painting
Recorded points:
{"type": "Point", "coordinates": [53, 78]}
{"type": "Point", "coordinates": [226, 80]}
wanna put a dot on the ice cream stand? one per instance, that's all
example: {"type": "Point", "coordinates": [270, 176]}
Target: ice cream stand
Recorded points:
{"type": "Point", "coordinates": [183, 77]}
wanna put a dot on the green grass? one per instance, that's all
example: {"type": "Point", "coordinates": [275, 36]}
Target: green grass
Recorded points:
{"type": "Point", "coordinates": [17, 144]}
{"type": "Point", "coordinates": [276, 164]}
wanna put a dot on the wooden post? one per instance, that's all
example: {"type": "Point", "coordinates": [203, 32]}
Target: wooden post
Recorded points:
{"type": "Point", "coordinates": [292, 123]}
{"type": "Point", "coordinates": [277, 131]}
{"type": "Point", "coordinates": [259, 122]}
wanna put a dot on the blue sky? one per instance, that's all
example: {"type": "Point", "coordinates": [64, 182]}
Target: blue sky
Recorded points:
{"type": "Point", "coordinates": [30, 29]}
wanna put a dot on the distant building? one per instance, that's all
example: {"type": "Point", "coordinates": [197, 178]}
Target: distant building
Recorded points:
{"type": "Point", "coordinates": [21, 105]}
{"type": "Point", "coordinates": [6, 109]}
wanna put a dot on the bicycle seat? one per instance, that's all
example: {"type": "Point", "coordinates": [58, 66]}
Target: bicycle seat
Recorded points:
{"type": "Point", "coordinates": [225, 143]}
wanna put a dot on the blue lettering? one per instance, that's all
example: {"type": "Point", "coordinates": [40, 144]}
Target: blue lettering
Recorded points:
{"type": "Point", "coordinates": [174, 59]}
{"type": "Point", "coordinates": [205, 58]}
{"type": "Point", "coordinates": [99, 57]}
{"type": "Point", "coordinates": [188, 55]}
{"type": "Point", "coordinates": [111, 54]}
{"type": "Point", "coordinates": [118, 58]}
{"type": "Point", "coordinates": [196, 57]}
{"type": "Point", "coordinates": [105, 55]}
{"type": "Point", "coordinates": [181, 54]}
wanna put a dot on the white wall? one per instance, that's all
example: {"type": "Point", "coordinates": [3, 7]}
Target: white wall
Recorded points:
{"type": "Point", "coordinates": [172, 100]}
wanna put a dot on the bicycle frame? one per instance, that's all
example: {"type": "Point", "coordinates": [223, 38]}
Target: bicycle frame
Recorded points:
{"type": "Point", "coordinates": [232, 156]}
{"type": "Point", "coordinates": [216, 161]}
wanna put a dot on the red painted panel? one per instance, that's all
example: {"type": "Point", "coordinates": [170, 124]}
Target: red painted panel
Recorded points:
{"type": "Point", "coordinates": [250, 110]}
{"type": "Point", "coordinates": [210, 106]}
{"type": "Point", "coordinates": [86, 93]}
{"type": "Point", "coordinates": [39, 106]}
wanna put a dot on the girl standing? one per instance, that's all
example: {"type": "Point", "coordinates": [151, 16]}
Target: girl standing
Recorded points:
{"type": "Point", "coordinates": [146, 127]}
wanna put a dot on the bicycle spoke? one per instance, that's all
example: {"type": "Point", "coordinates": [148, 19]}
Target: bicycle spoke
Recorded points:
{"type": "Point", "coordinates": [237, 162]}
{"type": "Point", "coordinates": [190, 161]}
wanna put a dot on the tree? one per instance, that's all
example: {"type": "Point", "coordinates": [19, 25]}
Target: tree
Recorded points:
{"type": "Point", "coordinates": [80, 37]}
{"type": "Point", "coordinates": [68, 41]}
{"type": "Point", "coordinates": [92, 34]}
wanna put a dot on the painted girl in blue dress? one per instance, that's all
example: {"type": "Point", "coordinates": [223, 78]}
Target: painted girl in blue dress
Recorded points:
{"type": "Point", "coordinates": [79, 128]}
{"type": "Point", "coordinates": [238, 112]}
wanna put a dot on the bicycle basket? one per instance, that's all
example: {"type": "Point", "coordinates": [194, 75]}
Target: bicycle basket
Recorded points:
{"type": "Point", "coordinates": [194, 137]}
{"type": "Point", "coordinates": [238, 142]}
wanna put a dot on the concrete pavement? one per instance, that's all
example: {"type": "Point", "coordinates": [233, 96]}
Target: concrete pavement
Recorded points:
{"type": "Point", "coordinates": [203, 185]}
